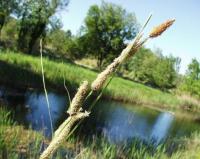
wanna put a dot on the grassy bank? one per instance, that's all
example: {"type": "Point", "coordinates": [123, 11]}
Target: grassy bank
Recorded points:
{"type": "Point", "coordinates": [17, 142]}
{"type": "Point", "coordinates": [19, 70]}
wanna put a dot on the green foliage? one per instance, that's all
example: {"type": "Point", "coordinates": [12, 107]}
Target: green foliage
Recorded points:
{"type": "Point", "coordinates": [10, 33]}
{"type": "Point", "coordinates": [100, 148]}
{"type": "Point", "coordinates": [153, 69]}
{"type": "Point", "coordinates": [6, 8]}
{"type": "Point", "coordinates": [5, 122]}
{"type": "Point", "coordinates": [35, 16]}
{"type": "Point", "coordinates": [62, 44]}
{"type": "Point", "coordinates": [15, 141]}
{"type": "Point", "coordinates": [193, 71]}
{"type": "Point", "coordinates": [191, 83]}
{"type": "Point", "coordinates": [165, 72]}
{"type": "Point", "coordinates": [107, 28]}
{"type": "Point", "coordinates": [5, 117]}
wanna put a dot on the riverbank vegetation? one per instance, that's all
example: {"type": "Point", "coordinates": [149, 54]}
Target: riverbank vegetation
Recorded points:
{"type": "Point", "coordinates": [26, 72]}
{"type": "Point", "coordinates": [16, 142]}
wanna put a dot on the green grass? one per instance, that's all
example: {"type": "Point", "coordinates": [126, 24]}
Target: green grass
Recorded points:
{"type": "Point", "coordinates": [15, 141]}
{"type": "Point", "coordinates": [136, 150]}
{"type": "Point", "coordinates": [20, 70]}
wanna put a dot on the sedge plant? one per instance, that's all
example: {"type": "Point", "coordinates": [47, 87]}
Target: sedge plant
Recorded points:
{"type": "Point", "coordinates": [75, 110]}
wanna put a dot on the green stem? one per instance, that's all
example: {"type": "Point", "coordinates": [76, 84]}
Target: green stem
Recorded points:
{"type": "Point", "coordinates": [45, 90]}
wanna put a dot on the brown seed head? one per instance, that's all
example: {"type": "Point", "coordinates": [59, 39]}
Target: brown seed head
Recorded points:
{"type": "Point", "coordinates": [78, 99]}
{"type": "Point", "coordinates": [157, 31]}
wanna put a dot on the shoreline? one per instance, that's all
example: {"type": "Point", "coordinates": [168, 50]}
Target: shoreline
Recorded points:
{"type": "Point", "coordinates": [24, 72]}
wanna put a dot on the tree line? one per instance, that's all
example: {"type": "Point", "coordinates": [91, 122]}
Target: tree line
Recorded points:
{"type": "Point", "coordinates": [105, 32]}
{"type": "Point", "coordinates": [191, 81]}
{"type": "Point", "coordinates": [29, 20]}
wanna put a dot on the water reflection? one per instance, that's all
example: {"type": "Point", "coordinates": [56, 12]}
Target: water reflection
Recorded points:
{"type": "Point", "coordinates": [38, 116]}
{"type": "Point", "coordinates": [161, 127]}
{"type": "Point", "coordinates": [122, 125]}
{"type": "Point", "coordinates": [119, 123]}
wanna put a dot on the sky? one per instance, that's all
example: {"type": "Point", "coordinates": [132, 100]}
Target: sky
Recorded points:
{"type": "Point", "coordinates": [181, 40]}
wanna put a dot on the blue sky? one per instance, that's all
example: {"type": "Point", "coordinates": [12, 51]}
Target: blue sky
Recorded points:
{"type": "Point", "coordinates": [182, 39]}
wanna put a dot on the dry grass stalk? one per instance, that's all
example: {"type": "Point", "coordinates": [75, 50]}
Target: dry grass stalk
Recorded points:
{"type": "Point", "coordinates": [76, 104]}
{"type": "Point", "coordinates": [60, 128]}
{"type": "Point", "coordinates": [158, 30]}
{"type": "Point", "coordinates": [126, 53]}
{"type": "Point", "coordinates": [60, 138]}
{"type": "Point", "coordinates": [65, 128]}
{"type": "Point", "coordinates": [129, 51]}
{"type": "Point", "coordinates": [78, 99]}
{"type": "Point", "coordinates": [75, 107]}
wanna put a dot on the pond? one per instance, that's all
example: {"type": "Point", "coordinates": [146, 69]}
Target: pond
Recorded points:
{"type": "Point", "coordinates": [117, 122]}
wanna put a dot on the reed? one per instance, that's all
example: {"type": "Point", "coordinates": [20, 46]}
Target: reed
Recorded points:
{"type": "Point", "coordinates": [158, 30]}
{"type": "Point", "coordinates": [45, 90]}
{"type": "Point", "coordinates": [75, 113]}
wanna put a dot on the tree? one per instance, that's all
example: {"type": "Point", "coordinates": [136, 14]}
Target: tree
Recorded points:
{"type": "Point", "coordinates": [194, 70]}
{"type": "Point", "coordinates": [6, 8]}
{"type": "Point", "coordinates": [9, 33]}
{"type": "Point", "coordinates": [106, 30]}
{"type": "Point", "coordinates": [140, 66]}
{"type": "Point", "coordinates": [62, 43]}
{"type": "Point", "coordinates": [191, 83]}
{"type": "Point", "coordinates": [154, 69]}
{"type": "Point", "coordinates": [165, 72]}
{"type": "Point", "coordinates": [35, 16]}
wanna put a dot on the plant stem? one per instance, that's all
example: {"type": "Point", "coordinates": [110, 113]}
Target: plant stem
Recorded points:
{"type": "Point", "coordinates": [45, 90]}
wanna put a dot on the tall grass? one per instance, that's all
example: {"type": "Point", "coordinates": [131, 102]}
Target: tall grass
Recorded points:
{"type": "Point", "coordinates": [98, 84]}
{"type": "Point", "coordinates": [16, 142]}
{"type": "Point", "coordinates": [100, 148]}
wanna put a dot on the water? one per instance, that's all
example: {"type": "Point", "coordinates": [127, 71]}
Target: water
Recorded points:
{"type": "Point", "coordinates": [119, 123]}
{"type": "Point", "coordinates": [38, 116]}
{"type": "Point", "coordinates": [122, 122]}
